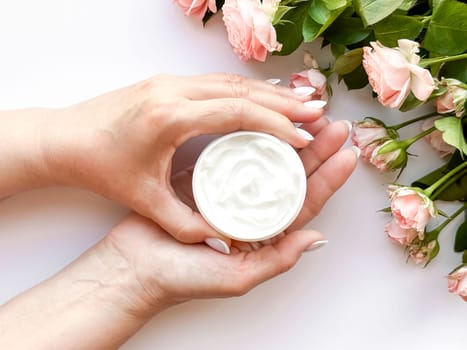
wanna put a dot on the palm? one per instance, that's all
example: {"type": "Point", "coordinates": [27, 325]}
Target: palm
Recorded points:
{"type": "Point", "coordinates": [194, 270]}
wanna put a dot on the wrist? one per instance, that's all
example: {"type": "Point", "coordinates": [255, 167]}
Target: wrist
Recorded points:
{"type": "Point", "coordinates": [126, 289]}
{"type": "Point", "coordinates": [22, 162]}
{"type": "Point", "coordinates": [98, 296]}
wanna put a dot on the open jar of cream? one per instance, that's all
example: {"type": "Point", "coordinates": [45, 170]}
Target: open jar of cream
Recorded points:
{"type": "Point", "coordinates": [249, 186]}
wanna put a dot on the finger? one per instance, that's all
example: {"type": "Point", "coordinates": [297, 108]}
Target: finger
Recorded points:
{"type": "Point", "coordinates": [231, 85]}
{"type": "Point", "coordinates": [316, 126]}
{"type": "Point", "coordinates": [323, 183]}
{"type": "Point", "coordinates": [278, 98]}
{"type": "Point", "coordinates": [327, 142]}
{"type": "Point", "coordinates": [222, 116]}
{"type": "Point", "coordinates": [181, 221]}
{"type": "Point", "coordinates": [261, 265]}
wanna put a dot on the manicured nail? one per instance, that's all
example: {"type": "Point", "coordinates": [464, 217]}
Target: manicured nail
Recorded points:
{"type": "Point", "coordinates": [217, 244]}
{"type": "Point", "coordinates": [356, 150]}
{"type": "Point", "coordinates": [273, 81]}
{"type": "Point", "coordinates": [305, 134]}
{"type": "Point", "coordinates": [316, 103]}
{"type": "Point", "coordinates": [316, 245]}
{"type": "Point", "coordinates": [347, 124]}
{"type": "Point", "coordinates": [304, 90]}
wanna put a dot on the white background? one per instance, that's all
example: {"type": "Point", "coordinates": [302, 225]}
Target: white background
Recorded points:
{"type": "Point", "coordinates": [358, 292]}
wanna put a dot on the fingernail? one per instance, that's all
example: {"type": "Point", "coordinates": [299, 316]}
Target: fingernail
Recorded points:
{"type": "Point", "coordinates": [348, 124]}
{"type": "Point", "coordinates": [273, 81]}
{"type": "Point", "coordinates": [356, 150]}
{"type": "Point", "coordinates": [316, 245]}
{"type": "Point", "coordinates": [316, 103]}
{"type": "Point", "coordinates": [304, 90]}
{"type": "Point", "coordinates": [305, 134]}
{"type": "Point", "coordinates": [217, 244]}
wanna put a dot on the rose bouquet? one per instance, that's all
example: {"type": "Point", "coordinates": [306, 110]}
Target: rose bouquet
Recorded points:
{"type": "Point", "coordinates": [412, 53]}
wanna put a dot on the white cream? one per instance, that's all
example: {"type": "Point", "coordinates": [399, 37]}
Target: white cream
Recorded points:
{"type": "Point", "coordinates": [249, 186]}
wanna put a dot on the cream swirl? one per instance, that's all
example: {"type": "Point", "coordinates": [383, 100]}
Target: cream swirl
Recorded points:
{"type": "Point", "coordinates": [249, 185]}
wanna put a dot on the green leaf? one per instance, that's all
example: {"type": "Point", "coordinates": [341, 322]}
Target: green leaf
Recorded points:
{"type": "Point", "coordinates": [407, 5]}
{"type": "Point", "coordinates": [347, 31]}
{"type": "Point", "coordinates": [319, 12]}
{"type": "Point", "coordinates": [289, 29]}
{"type": "Point", "coordinates": [457, 191]}
{"type": "Point", "coordinates": [348, 62]}
{"type": "Point", "coordinates": [447, 30]}
{"type": "Point", "coordinates": [456, 70]}
{"type": "Point", "coordinates": [460, 243]}
{"type": "Point", "coordinates": [453, 134]}
{"type": "Point", "coordinates": [373, 11]}
{"type": "Point", "coordinates": [464, 257]}
{"type": "Point", "coordinates": [337, 49]}
{"type": "Point", "coordinates": [281, 11]}
{"type": "Point", "coordinates": [434, 252]}
{"type": "Point", "coordinates": [410, 102]}
{"type": "Point", "coordinates": [435, 4]}
{"type": "Point", "coordinates": [312, 29]}
{"type": "Point", "coordinates": [396, 27]}
{"type": "Point", "coordinates": [335, 4]}
{"type": "Point", "coordinates": [356, 79]}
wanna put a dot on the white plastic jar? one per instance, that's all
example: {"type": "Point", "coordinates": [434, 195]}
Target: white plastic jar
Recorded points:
{"type": "Point", "coordinates": [249, 186]}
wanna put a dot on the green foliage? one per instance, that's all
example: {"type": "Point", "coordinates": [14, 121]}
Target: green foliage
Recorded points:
{"type": "Point", "coordinates": [289, 29]}
{"type": "Point", "coordinates": [447, 30]}
{"type": "Point", "coordinates": [373, 11]}
{"type": "Point", "coordinates": [319, 19]}
{"type": "Point", "coordinates": [347, 31]}
{"type": "Point", "coordinates": [356, 79]}
{"type": "Point", "coordinates": [348, 62]}
{"type": "Point", "coordinates": [453, 133]}
{"type": "Point", "coordinates": [456, 191]}
{"type": "Point", "coordinates": [456, 70]}
{"type": "Point", "coordinates": [395, 27]}
{"type": "Point", "coordinates": [460, 242]}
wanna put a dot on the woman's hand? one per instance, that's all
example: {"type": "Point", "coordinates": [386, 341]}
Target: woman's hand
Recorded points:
{"type": "Point", "coordinates": [139, 269]}
{"type": "Point", "coordinates": [173, 271]}
{"type": "Point", "coordinates": [121, 145]}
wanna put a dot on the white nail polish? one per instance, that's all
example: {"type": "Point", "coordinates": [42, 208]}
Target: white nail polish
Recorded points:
{"type": "Point", "coordinates": [304, 90]}
{"type": "Point", "coordinates": [316, 245]}
{"type": "Point", "coordinates": [348, 124]}
{"type": "Point", "coordinates": [305, 134]}
{"type": "Point", "coordinates": [218, 245]}
{"type": "Point", "coordinates": [356, 150]}
{"type": "Point", "coordinates": [273, 81]}
{"type": "Point", "coordinates": [316, 103]}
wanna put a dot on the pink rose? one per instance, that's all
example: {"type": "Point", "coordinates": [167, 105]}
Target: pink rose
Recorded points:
{"type": "Point", "coordinates": [314, 78]}
{"type": "Point", "coordinates": [457, 282]}
{"type": "Point", "coordinates": [435, 139]}
{"type": "Point", "coordinates": [389, 156]}
{"type": "Point", "coordinates": [445, 103]}
{"type": "Point", "coordinates": [398, 234]}
{"type": "Point", "coordinates": [394, 72]}
{"type": "Point", "coordinates": [422, 253]}
{"type": "Point", "coordinates": [411, 208]}
{"type": "Point", "coordinates": [196, 8]}
{"type": "Point", "coordinates": [249, 27]}
{"type": "Point", "coordinates": [454, 99]}
{"type": "Point", "coordinates": [367, 135]}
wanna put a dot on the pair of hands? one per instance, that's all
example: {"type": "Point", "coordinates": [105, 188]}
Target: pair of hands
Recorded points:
{"type": "Point", "coordinates": [121, 145]}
